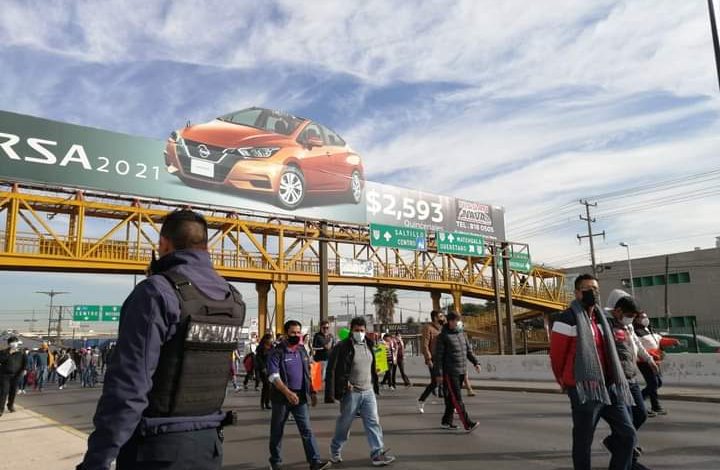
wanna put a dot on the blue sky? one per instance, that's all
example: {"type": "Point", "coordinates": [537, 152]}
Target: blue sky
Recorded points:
{"type": "Point", "coordinates": [536, 104]}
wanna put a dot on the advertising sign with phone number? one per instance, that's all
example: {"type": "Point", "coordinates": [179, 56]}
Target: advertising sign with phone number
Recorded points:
{"type": "Point", "coordinates": [302, 169]}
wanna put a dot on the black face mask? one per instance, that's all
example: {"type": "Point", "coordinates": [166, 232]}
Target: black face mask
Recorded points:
{"type": "Point", "coordinates": [589, 298]}
{"type": "Point", "coordinates": [293, 340]}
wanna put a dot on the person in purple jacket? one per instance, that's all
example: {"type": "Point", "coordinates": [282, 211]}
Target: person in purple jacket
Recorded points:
{"type": "Point", "coordinates": [154, 412]}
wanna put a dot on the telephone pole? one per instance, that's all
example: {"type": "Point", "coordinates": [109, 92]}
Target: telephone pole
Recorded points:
{"type": "Point", "coordinates": [590, 235]}
{"type": "Point", "coordinates": [348, 302]}
{"type": "Point", "coordinates": [51, 293]}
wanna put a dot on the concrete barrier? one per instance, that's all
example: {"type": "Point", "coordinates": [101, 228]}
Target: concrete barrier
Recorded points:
{"type": "Point", "coordinates": [678, 369]}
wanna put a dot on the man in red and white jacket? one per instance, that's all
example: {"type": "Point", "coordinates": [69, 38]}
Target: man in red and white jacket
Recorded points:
{"type": "Point", "coordinates": [654, 344]}
{"type": "Point", "coordinates": [586, 365]}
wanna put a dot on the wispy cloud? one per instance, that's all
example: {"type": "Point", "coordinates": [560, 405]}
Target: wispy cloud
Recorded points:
{"type": "Point", "coordinates": [530, 105]}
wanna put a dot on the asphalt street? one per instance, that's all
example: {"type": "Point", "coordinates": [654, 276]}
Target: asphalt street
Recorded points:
{"type": "Point", "coordinates": [518, 431]}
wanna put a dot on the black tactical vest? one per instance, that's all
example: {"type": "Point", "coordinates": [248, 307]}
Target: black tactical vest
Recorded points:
{"type": "Point", "coordinates": [194, 366]}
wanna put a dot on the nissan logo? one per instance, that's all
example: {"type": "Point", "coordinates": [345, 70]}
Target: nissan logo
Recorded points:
{"type": "Point", "coordinates": [203, 151]}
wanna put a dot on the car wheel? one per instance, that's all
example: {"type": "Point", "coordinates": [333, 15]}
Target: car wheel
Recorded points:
{"type": "Point", "coordinates": [291, 190]}
{"type": "Point", "coordinates": [356, 187]}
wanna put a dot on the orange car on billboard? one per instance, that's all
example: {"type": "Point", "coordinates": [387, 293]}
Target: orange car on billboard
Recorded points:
{"type": "Point", "coordinates": [265, 151]}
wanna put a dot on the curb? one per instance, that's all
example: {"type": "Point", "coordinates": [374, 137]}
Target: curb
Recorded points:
{"type": "Point", "coordinates": [531, 389]}
{"type": "Point", "coordinates": [57, 424]}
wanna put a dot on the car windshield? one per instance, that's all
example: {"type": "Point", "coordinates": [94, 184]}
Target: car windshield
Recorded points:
{"type": "Point", "coordinates": [266, 119]}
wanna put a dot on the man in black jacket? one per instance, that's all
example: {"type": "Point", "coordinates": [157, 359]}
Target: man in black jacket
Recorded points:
{"type": "Point", "coordinates": [322, 344]}
{"type": "Point", "coordinates": [12, 365]}
{"type": "Point", "coordinates": [352, 379]}
{"type": "Point", "coordinates": [449, 368]}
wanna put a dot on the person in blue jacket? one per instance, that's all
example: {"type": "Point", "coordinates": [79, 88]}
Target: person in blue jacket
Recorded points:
{"type": "Point", "coordinates": [133, 422]}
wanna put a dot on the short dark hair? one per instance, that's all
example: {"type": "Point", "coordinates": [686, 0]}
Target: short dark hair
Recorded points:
{"type": "Point", "coordinates": [12, 339]}
{"type": "Point", "coordinates": [185, 229]}
{"type": "Point", "coordinates": [290, 323]}
{"type": "Point", "coordinates": [453, 316]}
{"type": "Point", "coordinates": [324, 322]}
{"type": "Point", "coordinates": [583, 277]}
{"type": "Point", "coordinates": [434, 314]}
{"type": "Point", "coordinates": [627, 305]}
{"type": "Point", "coordinates": [357, 321]}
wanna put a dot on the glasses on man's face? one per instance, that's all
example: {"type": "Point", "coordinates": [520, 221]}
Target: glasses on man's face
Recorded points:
{"type": "Point", "coordinates": [325, 327]}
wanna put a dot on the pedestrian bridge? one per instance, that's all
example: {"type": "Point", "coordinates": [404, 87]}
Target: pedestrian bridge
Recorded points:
{"type": "Point", "coordinates": [73, 231]}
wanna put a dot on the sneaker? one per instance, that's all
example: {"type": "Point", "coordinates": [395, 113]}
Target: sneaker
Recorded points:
{"type": "Point", "coordinates": [421, 406]}
{"type": "Point", "coordinates": [651, 414]}
{"type": "Point", "coordinates": [321, 465]}
{"type": "Point", "coordinates": [383, 459]}
{"type": "Point", "coordinates": [473, 426]}
{"type": "Point", "coordinates": [337, 458]}
{"type": "Point", "coordinates": [471, 393]}
{"type": "Point", "coordinates": [451, 427]}
{"type": "Point", "coordinates": [660, 411]}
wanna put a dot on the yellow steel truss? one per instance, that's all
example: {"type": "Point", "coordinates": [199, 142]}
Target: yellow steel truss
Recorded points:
{"type": "Point", "coordinates": [79, 232]}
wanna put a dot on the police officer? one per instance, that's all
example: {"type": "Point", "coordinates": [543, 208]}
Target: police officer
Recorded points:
{"type": "Point", "coordinates": [165, 383]}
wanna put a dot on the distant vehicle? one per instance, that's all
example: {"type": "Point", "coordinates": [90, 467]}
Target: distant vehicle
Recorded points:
{"type": "Point", "coordinates": [686, 343]}
{"type": "Point", "coordinates": [266, 151]}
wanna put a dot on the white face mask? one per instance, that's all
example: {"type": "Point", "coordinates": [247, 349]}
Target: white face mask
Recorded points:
{"type": "Point", "coordinates": [358, 336]}
{"type": "Point", "coordinates": [14, 345]}
{"type": "Point", "coordinates": [460, 326]}
{"type": "Point", "coordinates": [627, 321]}
{"type": "Point", "coordinates": [645, 322]}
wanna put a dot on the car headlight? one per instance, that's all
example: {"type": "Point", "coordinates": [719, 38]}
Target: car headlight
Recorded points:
{"type": "Point", "coordinates": [257, 152]}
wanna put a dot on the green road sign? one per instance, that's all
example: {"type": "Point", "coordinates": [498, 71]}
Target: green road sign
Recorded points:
{"type": "Point", "coordinates": [520, 262]}
{"type": "Point", "coordinates": [406, 238]}
{"type": "Point", "coordinates": [83, 313]}
{"type": "Point", "coordinates": [110, 312]}
{"type": "Point", "coordinates": [457, 243]}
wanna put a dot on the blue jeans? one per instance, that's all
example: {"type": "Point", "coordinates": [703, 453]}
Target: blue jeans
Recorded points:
{"type": "Point", "coordinates": [585, 418]}
{"type": "Point", "coordinates": [301, 413]}
{"type": "Point", "coordinates": [42, 376]}
{"type": "Point", "coordinates": [364, 403]}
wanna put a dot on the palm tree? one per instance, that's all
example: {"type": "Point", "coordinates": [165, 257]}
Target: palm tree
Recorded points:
{"type": "Point", "coordinates": [384, 300]}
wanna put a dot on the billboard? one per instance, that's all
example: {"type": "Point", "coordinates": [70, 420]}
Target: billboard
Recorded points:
{"type": "Point", "coordinates": [254, 159]}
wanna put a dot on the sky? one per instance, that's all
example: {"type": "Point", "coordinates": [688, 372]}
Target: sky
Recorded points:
{"type": "Point", "coordinates": [529, 105]}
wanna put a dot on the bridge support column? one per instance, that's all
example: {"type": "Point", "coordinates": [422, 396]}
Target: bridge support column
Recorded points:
{"type": "Point", "coordinates": [509, 320]}
{"type": "Point", "coordinates": [280, 288]}
{"type": "Point", "coordinates": [262, 289]}
{"type": "Point", "coordinates": [11, 223]}
{"type": "Point", "coordinates": [435, 296]}
{"type": "Point", "coordinates": [456, 293]}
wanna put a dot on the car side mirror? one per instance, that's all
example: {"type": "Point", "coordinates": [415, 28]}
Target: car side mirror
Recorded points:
{"type": "Point", "coordinates": [314, 142]}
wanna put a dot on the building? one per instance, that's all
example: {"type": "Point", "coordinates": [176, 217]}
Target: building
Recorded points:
{"type": "Point", "coordinates": [692, 287]}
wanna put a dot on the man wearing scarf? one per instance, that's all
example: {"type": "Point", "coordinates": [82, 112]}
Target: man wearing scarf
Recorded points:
{"type": "Point", "coordinates": [586, 365]}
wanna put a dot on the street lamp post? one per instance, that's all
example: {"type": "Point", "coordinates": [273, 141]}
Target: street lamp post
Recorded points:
{"type": "Point", "coordinates": [632, 283]}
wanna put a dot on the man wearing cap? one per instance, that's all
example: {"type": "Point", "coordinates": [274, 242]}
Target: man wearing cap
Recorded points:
{"type": "Point", "coordinates": [12, 365]}
{"type": "Point", "coordinates": [452, 351]}
{"type": "Point", "coordinates": [623, 309]}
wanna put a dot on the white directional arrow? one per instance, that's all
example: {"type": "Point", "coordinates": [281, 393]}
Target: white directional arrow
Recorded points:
{"type": "Point", "coordinates": [451, 238]}
{"type": "Point", "coordinates": [387, 236]}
